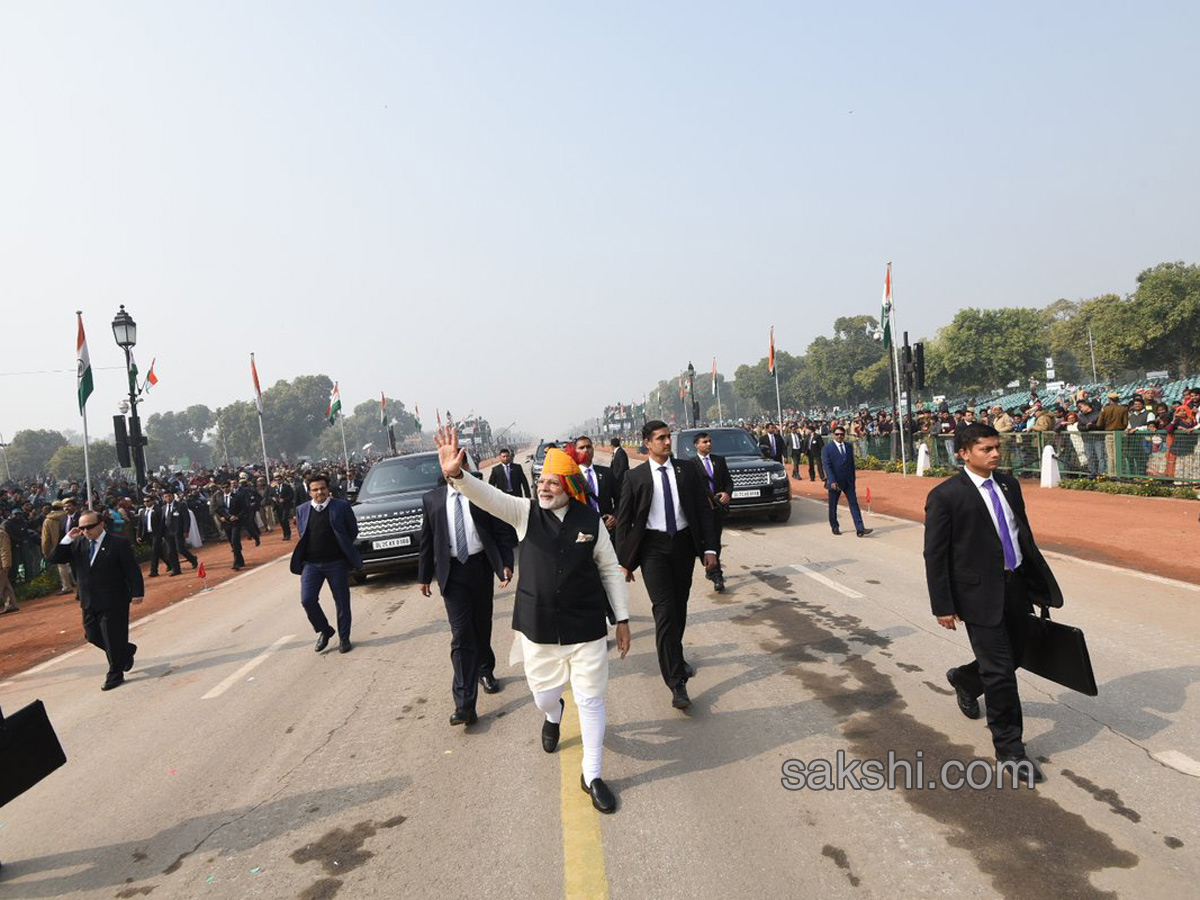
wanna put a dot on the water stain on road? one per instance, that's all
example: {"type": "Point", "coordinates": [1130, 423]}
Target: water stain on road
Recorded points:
{"type": "Point", "coordinates": [322, 889]}
{"type": "Point", "coordinates": [1104, 795]}
{"type": "Point", "coordinates": [135, 892]}
{"type": "Point", "coordinates": [938, 689]}
{"type": "Point", "coordinates": [1173, 842]}
{"type": "Point", "coordinates": [838, 855]}
{"type": "Point", "coordinates": [339, 851]}
{"type": "Point", "coordinates": [1022, 840]}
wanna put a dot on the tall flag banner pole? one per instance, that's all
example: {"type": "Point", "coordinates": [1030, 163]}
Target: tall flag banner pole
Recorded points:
{"type": "Point", "coordinates": [85, 388]}
{"type": "Point", "coordinates": [258, 402]}
{"type": "Point", "coordinates": [888, 321]}
{"type": "Point", "coordinates": [417, 417]}
{"type": "Point", "coordinates": [720, 415]}
{"type": "Point", "coordinates": [774, 369]}
{"type": "Point", "coordinates": [333, 414]}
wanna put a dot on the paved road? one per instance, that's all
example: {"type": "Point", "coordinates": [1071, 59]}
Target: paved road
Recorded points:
{"type": "Point", "coordinates": [238, 763]}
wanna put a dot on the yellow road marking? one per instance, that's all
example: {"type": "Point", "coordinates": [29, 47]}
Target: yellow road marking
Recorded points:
{"type": "Point", "coordinates": [583, 846]}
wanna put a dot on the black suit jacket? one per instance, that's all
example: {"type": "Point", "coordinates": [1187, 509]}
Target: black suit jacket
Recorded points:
{"type": "Point", "coordinates": [619, 467]}
{"type": "Point", "coordinates": [112, 580]}
{"type": "Point", "coordinates": [434, 560]}
{"type": "Point", "coordinates": [520, 484]}
{"type": "Point", "coordinates": [157, 527]}
{"type": "Point", "coordinates": [239, 505]}
{"type": "Point", "coordinates": [722, 480]}
{"type": "Point", "coordinates": [637, 492]}
{"type": "Point", "coordinates": [813, 444]}
{"type": "Point", "coordinates": [606, 489]}
{"type": "Point", "coordinates": [179, 522]}
{"type": "Point", "coordinates": [781, 446]}
{"type": "Point", "coordinates": [964, 559]}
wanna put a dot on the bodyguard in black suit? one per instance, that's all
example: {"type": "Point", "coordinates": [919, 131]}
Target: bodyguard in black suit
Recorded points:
{"type": "Point", "coordinates": [152, 530]}
{"type": "Point", "coordinates": [282, 498]}
{"type": "Point", "coordinates": [509, 477]}
{"type": "Point", "coordinates": [813, 445]}
{"type": "Point", "coordinates": [984, 568]}
{"type": "Point", "coordinates": [232, 507]}
{"type": "Point", "coordinates": [718, 484]}
{"type": "Point", "coordinates": [619, 466]}
{"type": "Point", "coordinates": [772, 443]}
{"type": "Point", "coordinates": [602, 496]}
{"type": "Point", "coordinates": [663, 524]}
{"type": "Point", "coordinates": [462, 550]}
{"type": "Point", "coordinates": [177, 522]}
{"type": "Point", "coordinates": [839, 479]}
{"type": "Point", "coordinates": [108, 579]}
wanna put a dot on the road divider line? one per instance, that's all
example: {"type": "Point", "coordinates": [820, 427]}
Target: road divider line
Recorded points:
{"type": "Point", "coordinates": [246, 669]}
{"type": "Point", "coordinates": [1180, 762]}
{"type": "Point", "coordinates": [828, 582]}
{"type": "Point", "coordinates": [583, 845]}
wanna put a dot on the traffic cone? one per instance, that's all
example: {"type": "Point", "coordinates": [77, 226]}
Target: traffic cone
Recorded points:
{"type": "Point", "coordinates": [201, 573]}
{"type": "Point", "coordinates": [868, 499]}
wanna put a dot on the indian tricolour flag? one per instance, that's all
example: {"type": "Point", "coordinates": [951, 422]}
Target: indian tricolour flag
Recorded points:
{"type": "Point", "coordinates": [885, 317]}
{"type": "Point", "coordinates": [85, 365]}
{"type": "Point", "coordinates": [335, 404]}
{"type": "Point", "coordinates": [151, 378]}
{"type": "Point", "coordinates": [257, 390]}
{"type": "Point", "coordinates": [382, 410]}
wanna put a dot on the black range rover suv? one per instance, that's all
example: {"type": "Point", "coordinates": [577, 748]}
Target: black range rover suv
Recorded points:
{"type": "Point", "coordinates": [388, 509]}
{"type": "Point", "coordinates": [760, 485]}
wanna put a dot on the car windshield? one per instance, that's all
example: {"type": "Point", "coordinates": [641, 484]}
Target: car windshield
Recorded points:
{"type": "Point", "coordinates": [540, 456]}
{"type": "Point", "coordinates": [405, 473]}
{"type": "Point", "coordinates": [725, 442]}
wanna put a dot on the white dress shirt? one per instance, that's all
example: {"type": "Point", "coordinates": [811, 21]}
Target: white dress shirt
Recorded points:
{"type": "Point", "coordinates": [515, 511]}
{"type": "Point", "coordinates": [316, 507]}
{"type": "Point", "coordinates": [1010, 519]}
{"type": "Point", "coordinates": [657, 521]}
{"type": "Point", "coordinates": [474, 544]}
{"type": "Point", "coordinates": [67, 539]}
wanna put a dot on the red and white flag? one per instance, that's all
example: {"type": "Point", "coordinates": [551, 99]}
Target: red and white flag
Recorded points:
{"type": "Point", "coordinates": [151, 378]}
{"type": "Point", "coordinates": [257, 389]}
{"type": "Point", "coordinates": [714, 380]}
{"type": "Point", "coordinates": [771, 353]}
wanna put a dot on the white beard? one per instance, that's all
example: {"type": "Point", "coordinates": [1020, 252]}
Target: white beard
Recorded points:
{"type": "Point", "coordinates": [557, 503]}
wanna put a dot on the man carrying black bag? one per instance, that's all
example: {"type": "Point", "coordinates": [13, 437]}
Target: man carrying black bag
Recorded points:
{"type": "Point", "coordinates": [983, 568]}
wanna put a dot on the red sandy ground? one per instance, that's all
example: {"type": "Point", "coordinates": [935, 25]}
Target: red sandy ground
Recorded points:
{"type": "Point", "coordinates": [1153, 535]}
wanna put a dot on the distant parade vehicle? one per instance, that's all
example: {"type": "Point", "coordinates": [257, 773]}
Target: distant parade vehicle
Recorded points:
{"type": "Point", "coordinates": [759, 485]}
{"type": "Point", "coordinates": [538, 459]}
{"type": "Point", "coordinates": [388, 509]}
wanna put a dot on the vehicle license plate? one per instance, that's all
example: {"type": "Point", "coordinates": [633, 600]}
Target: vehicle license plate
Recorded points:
{"type": "Point", "coordinates": [741, 495]}
{"type": "Point", "coordinates": [391, 542]}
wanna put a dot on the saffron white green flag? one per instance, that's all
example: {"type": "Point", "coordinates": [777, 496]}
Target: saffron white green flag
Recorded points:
{"type": "Point", "coordinates": [85, 366]}
{"type": "Point", "coordinates": [335, 404]}
{"type": "Point", "coordinates": [885, 317]}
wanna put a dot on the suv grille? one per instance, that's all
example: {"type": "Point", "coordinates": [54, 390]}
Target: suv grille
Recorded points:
{"type": "Point", "coordinates": [411, 520]}
{"type": "Point", "coordinates": [750, 479]}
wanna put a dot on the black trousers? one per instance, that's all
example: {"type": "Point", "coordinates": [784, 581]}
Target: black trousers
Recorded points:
{"type": "Point", "coordinates": [177, 547]}
{"type": "Point", "coordinates": [251, 527]}
{"type": "Point", "coordinates": [108, 629]}
{"type": "Point", "coordinates": [234, 532]}
{"type": "Point", "coordinates": [667, 566]}
{"type": "Point", "coordinates": [796, 454]}
{"type": "Point", "coordinates": [999, 650]}
{"type": "Point", "coordinates": [719, 514]}
{"type": "Point", "coordinates": [470, 588]}
{"type": "Point", "coordinates": [283, 515]}
{"type": "Point", "coordinates": [159, 550]}
{"type": "Point", "coordinates": [815, 464]}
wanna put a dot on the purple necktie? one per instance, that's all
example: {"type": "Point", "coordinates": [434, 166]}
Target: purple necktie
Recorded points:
{"type": "Point", "coordinates": [508, 478]}
{"type": "Point", "coordinates": [668, 501]}
{"type": "Point", "coordinates": [1010, 554]}
{"type": "Point", "coordinates": [712, 485]}
{"type": "Point", "coordinates": [592, 484]}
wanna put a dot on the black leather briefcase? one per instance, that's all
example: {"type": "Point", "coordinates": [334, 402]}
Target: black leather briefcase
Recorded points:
{"type": "Point", "coordinates": [29, 750]}
{"type": "Point", "coordinates": [1059, 653]}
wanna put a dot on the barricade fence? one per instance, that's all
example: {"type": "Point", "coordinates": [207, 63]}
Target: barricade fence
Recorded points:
{"type": "Point", "coordinates": [1116, 455]}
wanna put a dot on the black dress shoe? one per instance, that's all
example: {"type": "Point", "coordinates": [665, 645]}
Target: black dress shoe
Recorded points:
{"type": "Point", "coordinates": [837, 531]}
{"type": "Point", "coordinates": [237, 568]}
{"type": "Point", "coordinates": [679, 697]}
{"type": "Point", "coordinates": [463, 717]}
{"type": "Point", "coordinates": [323, 640]}
{"type": "Point", "coordinates": [689, 670]}
{"type": "Point", "coordinates": [602, 797]}
{"type": "Point", "coordinates": [112, 682]}
{"type": "Point", "coordinates": [1017, 765]}
{"type": "Point", "coordinates": [968, 704]}
{"type": "Point", "coordinates": [344, 646]}
{"type": "Point", "coordinates": [132, 652]}
{"type": "Point", "coordinates": [719, 584]}
{"type": "Point", "coordinates": [153, 575]}
{"type": "Point", "coordinates": [550, 730]}
{"type": "Point", "coordinates": [490, 684]}
{"type": "Point", "coordinates": [865, 532]}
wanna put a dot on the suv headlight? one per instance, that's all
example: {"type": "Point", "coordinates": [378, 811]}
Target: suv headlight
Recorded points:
{"type": "Point", "coordinates": [781, 475]}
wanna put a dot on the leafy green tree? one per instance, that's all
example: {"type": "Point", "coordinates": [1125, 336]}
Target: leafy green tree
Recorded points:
{"type": "Point", "coordinates": [363, 427]}
{"type": "Point", "coordinates": [30, 451]}
{"type": "Point", "coordinates": [984, 348]}
{"type": "Point", "coordinates": [1167, 301]}
{"type": "Point", "coordinates": [67, 461]}
{"type": "Point", "coordinates": [173, 435]}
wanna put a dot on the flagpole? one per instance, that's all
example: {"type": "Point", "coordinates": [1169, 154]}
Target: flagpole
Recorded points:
{"type": "Point", "coordinates": [720, 415]}
{"type": "Point", "coordinates": [345, 453]}
{"type": "Point", "coordinates": [259, 404]}
{"type": "Point", "coordinates": [896, 361]}
{"type": "Point", "coordinates": [87, 467]}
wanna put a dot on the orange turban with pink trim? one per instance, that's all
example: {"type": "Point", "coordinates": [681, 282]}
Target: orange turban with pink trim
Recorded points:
{"type": "Point", "coordinates": [559, 463]}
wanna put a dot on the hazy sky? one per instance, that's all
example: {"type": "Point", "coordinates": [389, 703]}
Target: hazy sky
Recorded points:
{"type": "Point", "coordinates": [535, 209]}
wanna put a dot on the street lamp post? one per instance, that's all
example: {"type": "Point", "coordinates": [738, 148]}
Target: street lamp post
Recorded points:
{"type": "Point", "coordinates": [691, 370]}
{"type": "Point", "coordinates": [125, 334]}
{"type": "Point", "coordinates": [4, 450]}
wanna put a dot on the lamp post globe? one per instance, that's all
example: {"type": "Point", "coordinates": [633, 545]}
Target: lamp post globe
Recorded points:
{"type": "Point", "coordinates": [125, 334]}
{"type": "Point", "coordinates": [124, 329]}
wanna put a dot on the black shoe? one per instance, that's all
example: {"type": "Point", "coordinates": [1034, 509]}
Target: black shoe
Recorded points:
{"type": "Point", "coordinates": [602, 797]}
{"type": "Point", "coordinates": [865, 532]}
{"type": "Point", "coordinates": [112, 682]}
{"type": "Point", "coordinates": [344, 645]}
{"type": "Point", "coordinates": [550, 730]}
{"type": "Point", "coordinates": [153, 575]}
{"type": "Point", "coordinates": [463, 717]}
{"type": "Point", "coordinates": [490, 684]}
{"type": "Point", "coordinates": [689, 670]}
{"type": "Point", "coordinates": [323, 640]}
{"type": "Point", "coordinates": [258, 542]}
{"type": "Point", "coordinates": [719, 584]}
{"type": "Point", "coordinates": [1017, 764]}
{"type": "Point", "coordinates": [679, 697]}
{"type": "Point", "coordinates": [238, 566]}
{"type": "Point", "coordinates": [837, 531]}
{"type": "Point", "coordinates": [968, 704]}
{"type": "Point", "coordinates": [132, 652]}
{"type": "Point", "coordinates": [195, 565]}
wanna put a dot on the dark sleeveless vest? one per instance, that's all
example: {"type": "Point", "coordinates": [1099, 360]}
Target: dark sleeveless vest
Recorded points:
{"type": "Point", "coordinates": [560, 597]}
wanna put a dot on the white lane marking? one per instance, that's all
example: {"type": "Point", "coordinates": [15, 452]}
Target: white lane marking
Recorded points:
{"type": "Point", "coordinates": [246, 669]}
{"type": "Point", "coordinates": [1179, 761]}
{"type": "Point", "coordinates": [828, 582]}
